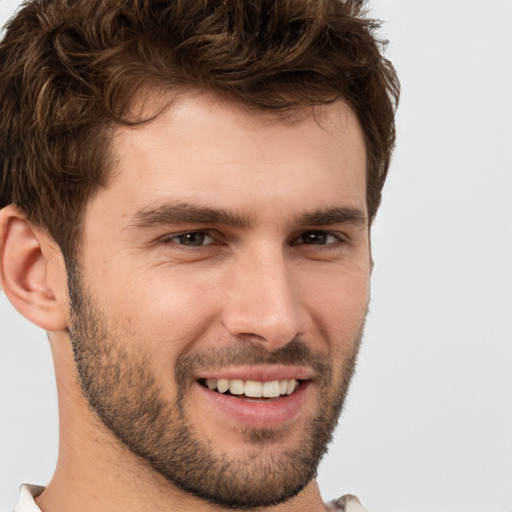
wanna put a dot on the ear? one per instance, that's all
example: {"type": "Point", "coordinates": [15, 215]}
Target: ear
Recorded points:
{"type": "Point", "coordinates": [32, 271]}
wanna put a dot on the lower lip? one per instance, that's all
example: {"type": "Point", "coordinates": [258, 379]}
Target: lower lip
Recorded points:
{"type": "Point", "coordinates": [264, 414]}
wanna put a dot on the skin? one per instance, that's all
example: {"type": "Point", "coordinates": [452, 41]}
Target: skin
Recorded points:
{"type": "Point", "coordinates": [251, 283]}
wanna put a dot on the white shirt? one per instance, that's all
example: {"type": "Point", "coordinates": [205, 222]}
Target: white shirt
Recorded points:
{"type": "Point", "coordinates": [26, 501]}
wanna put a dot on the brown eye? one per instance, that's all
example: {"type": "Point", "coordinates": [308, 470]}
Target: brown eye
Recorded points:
{"type": "Point", "coordinates": [317, 238]}
{"type": "Point", "coordinates": [192, 239]}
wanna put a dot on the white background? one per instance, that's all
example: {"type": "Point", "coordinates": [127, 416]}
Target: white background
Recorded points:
{"type": "Point", "coordinates": [428, 426]}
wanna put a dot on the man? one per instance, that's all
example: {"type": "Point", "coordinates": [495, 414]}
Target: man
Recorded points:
{"type": "Point", "coordinates": [187, 192]}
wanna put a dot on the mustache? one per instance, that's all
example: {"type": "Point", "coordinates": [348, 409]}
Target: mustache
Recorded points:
{"type": "Point", "coordinates": [244, 352]}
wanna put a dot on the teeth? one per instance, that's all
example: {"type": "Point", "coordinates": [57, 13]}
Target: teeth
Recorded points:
{"type": "Point", "coordinates": [271, 389]}
{"type": "Point", "coordinates": [222, 385]}
{"type": "Point", "coordinates": [252, 388]}
{"type": "Point", "coordinates": [236, 387]}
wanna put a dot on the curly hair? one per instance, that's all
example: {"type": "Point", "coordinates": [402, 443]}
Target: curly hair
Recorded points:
{"type": "Point", "coordinates": [69, 70]}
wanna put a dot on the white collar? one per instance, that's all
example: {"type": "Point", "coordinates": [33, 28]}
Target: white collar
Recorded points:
{"type": "Point", "coordinates": [26, 501]}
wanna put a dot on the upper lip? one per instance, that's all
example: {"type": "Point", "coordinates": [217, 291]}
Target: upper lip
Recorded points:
{"type": "Point", "coordinates": [261, 373]}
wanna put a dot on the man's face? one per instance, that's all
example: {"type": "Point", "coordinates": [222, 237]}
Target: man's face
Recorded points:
{"type": "Point", "coordinates": [220, 294]}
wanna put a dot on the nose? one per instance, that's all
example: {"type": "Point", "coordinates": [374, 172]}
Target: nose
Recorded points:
{"type": "Point", "coordinates": [264, 304]}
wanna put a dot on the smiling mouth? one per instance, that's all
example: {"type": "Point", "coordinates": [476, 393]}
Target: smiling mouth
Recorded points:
{"type": "Point", "coordinates": [252, 388]}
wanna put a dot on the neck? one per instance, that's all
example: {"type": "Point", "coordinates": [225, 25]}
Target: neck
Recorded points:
{"type": "Point", "coordinates": [101, 479]}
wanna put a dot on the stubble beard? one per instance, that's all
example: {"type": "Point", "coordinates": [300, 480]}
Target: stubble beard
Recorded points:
{"type": "Point", "coordinates": [123, 393]}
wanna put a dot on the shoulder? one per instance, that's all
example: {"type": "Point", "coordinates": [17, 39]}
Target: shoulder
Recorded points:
{"type": "Point", "coordinates": [347, 503]}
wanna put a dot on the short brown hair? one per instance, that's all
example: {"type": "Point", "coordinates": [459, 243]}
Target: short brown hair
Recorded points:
{"type": "Point", "coordinates": [70, 68]}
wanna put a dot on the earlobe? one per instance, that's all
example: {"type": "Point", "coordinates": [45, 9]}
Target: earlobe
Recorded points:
{"type": "Point", "coordinates": [28, 274]}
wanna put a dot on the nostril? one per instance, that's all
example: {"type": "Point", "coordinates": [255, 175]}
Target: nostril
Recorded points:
{"type": "Point", "coordinates": [249, 336]}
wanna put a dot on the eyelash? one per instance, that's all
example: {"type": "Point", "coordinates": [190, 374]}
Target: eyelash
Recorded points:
{"type": "Point", "coordinates": [170, 239]}
{"type": "Point", "coordinates": [335, 239]}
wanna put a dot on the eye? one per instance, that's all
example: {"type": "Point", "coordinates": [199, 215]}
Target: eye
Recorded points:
{"type": "Point", "coordinates": [191, 239]}
{"type": "Point", "coordinates": [317, 238]}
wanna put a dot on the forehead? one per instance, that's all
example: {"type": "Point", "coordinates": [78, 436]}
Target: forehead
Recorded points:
{"type": "Point", "coordinates": [203, 148]}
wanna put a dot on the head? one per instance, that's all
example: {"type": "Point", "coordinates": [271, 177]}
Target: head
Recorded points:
{"type": "Point", "coordinates": [71, 71]}
{"type": "Point", "coordinates": [209, 172]}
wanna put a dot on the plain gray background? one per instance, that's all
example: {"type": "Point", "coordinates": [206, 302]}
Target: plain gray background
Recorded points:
{"type": "Point", "coordinates": [428, 425]}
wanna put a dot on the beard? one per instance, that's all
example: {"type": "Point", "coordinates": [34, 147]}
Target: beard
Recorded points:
{"type": "Point", "coordinates": [123, 392]}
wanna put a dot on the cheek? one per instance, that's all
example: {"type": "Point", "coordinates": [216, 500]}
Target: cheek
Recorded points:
{"type": "Point", "coordinates": [338, 305]}
{"type": "Point", "coordinates": [167, 313]}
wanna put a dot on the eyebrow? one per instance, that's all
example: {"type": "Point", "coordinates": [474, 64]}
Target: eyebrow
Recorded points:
{"type": "Point", "coordinates": [331, 216]}
{"type": "Point", "coordinates": [183, 213]}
